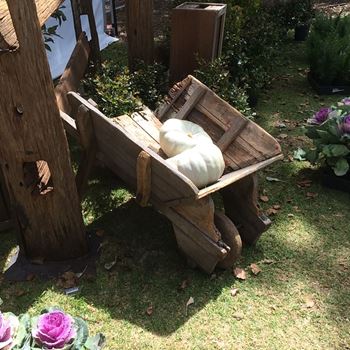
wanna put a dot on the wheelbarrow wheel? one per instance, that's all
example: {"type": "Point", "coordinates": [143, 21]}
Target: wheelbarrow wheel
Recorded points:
{"type": "Point", "coordinates": [230, 235]}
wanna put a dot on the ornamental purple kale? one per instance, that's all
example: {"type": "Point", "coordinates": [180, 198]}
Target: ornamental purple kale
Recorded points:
{"type": "Point", "coordinates": [345, 101]}
{"type": "Point", "coordinates": [54, 330]}
{"type": "Point", "coordinates": [321, 116]}
{"type": "Point", "coordinates": [345, 126]}
{"type": "Point", "coordinates": [8, 327]}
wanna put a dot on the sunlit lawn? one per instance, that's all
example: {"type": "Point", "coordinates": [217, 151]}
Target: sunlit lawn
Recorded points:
{"type": "Point", "coordinates": [300, 300]}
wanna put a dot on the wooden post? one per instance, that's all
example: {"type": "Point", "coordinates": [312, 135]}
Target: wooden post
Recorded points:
{"type": "Point", "coordinates": [139, 28]}
{"type": "Point", "coordinates": [34, 154]}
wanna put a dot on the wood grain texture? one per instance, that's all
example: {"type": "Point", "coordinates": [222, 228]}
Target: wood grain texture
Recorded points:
{"type": "Point", "coordinates": [73, 73]}
{"type": "Point", "coordinates": [144, 179]}
{"type": "Point", "coordinates": [51, 225]}
{"type": "Point", "coordinates": [240, 202]}
{"type": "Point", "coordinates": [87, 139]}
{"type": "Point", "coordinates": [195, 33]}
{"type": "Point", "coordinates": [139, 28]}
{"type": "Point", "coordinates": [8, 37]}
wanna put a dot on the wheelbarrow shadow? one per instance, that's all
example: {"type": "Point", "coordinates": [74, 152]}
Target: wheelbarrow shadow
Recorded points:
{"type": "Point", "coordinates": [150, 282]}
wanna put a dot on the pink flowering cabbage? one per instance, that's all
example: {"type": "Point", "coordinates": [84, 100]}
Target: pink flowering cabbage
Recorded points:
{"type": "Point", "coordinates": [8, 328]}
{"type": "Point", "coordinates": [54, 330]}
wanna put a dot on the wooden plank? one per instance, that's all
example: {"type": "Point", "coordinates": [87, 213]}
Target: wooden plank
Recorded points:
{"type": "Point", "coordinates": [134, 130]}
{"type": "Point", "coordinates": [139, 28]}
{"type": "Point", "coordinates": [231, 134]}
{"type": "Point", "coordinates": [50, 223]}
{"type": "Point", "coordinates": [147, 125]}
{"type": "Point", "coordinates": [236, 175]}
{"type": "Point", "coordinates": [69, 125]}
{"type": "Point", "coordinates": [87, 139]}
{"type": "Point", "coordinates": [144, 182]}
{"type": "Point", "coordinates": [8, 37]}
{"type": "Point", "coordinates": [73, 73]}
{"type": "Point", "coordinates": [201, 214]}
{"type": "Point", "coordinates": [240, 202]}
{"type": "Point", "coordinates": [76, 11]}
{"type": "Point", "coordinates": [190, 103]}
{"type": "Point", "coordinates": [94, 42]}
{"type": "Point", "coordinates": [174, 93]}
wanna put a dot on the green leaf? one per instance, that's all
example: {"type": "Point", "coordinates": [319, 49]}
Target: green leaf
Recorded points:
{"type": "Point", "coordinates": [312, 155]}
{"type": "Point", "coordinates": [341, 167]}
{"type": "Point", "coordinates": [82, 333]}
{"type": "Point", "coordinates": [299, 154]}
{"type": "Point", "coordinates": [335, 150]}
{"type": "Point", "coordinates": [96, 342]}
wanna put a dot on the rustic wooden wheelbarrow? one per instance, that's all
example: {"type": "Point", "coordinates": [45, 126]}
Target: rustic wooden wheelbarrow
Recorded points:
{"type": "Point", "coordinates": [129, 146]}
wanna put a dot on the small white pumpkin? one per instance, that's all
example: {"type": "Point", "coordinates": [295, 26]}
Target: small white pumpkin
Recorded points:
{"type": "Point", "coordinates": [203, 164]}
{"type": "Point", "coordinates": [177, 136]}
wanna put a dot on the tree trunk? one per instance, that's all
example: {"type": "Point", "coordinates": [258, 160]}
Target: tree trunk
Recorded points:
{"type": "Point", "coordinates": [34, 154]}
{"type": "Point", "coordinates": [139, 15]}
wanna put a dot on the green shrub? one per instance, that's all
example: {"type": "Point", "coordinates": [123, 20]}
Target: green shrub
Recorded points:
{"type": "Point", "coordinates": [112, 90]}
{"type": "Point", "coordinates": [217, 77]}
{"type": "Point", "coordinates": [149, 83]}
{"type": "Point", "coordinates": [329, 50]}
{"type": "Point", "coordinates": [117, 91]}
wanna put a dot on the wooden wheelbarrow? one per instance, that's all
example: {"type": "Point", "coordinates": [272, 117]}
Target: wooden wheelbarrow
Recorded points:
{"type": "Point", "coordinates": [129, 146]}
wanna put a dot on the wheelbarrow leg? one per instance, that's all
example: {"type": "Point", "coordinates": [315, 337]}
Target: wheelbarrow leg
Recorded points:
{"type": "Point", "coordinates": [240, 202]}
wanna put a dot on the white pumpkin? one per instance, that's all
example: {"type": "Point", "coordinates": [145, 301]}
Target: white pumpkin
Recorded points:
{"type": "Point", "coordinates": [177, 136]}
{"type": "Point", "coordinates": [203, 164]}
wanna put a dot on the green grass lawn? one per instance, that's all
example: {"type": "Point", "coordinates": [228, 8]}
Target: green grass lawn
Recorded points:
{"type": "Point", "coordinates": [300, 300]}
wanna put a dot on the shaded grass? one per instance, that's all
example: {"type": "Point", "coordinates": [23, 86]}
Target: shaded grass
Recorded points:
{"type": "Point", "coordinates": [308, 249]}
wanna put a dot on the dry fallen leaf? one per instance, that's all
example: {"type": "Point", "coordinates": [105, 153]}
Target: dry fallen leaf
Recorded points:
{"type": "Point", "coordinates": [304, 183]}
{"type": "Point", "coordinates": [264, 198]}
{"type": "Point", "coordinates": [311, 194]}
{"type": "Point", "coordinates": [309, 302]}
{"type": "Point", "coordinates": [271, 211]}
{"type": "Point", "coordinates": [255, 269]}
{"type": "Point", "coordinates": [234, 291]}
{"type": "Point", "coordinates": [267, 261]}
{"type": "Point", "coordinates": [190, 301]}
{"type": "Point", "coordinates": [20, 292]}
{"type": "Point", "coordinates": [238, 316]}
{"type": "Point", "coordinates": [100, 233]}
{"type": "Point", "coordinates": [183, 285]}
{"type": "Point", "coordinates": [30, 277]}
{"type": "Point", "coordinates": [149, 310]}
{"type": "Point", "coordinates": [240, 273]}
{"type": "Point", "coordinates": [67, 280]}
{"type": "Point", "coordinates": [276, 206]}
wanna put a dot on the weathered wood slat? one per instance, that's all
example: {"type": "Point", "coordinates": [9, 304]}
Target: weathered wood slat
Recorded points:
{"type": "Point", "coordinates": [8, 37]}
{"type": "Point", "coordinates": [69, 125]}
{"type": "Point", "coordinates": [73, 73]}
{"type": "Point", "coordinates": [175, 92]}
{"type": "Point", "coordinates": [86, 133]}
{"type": "Point", "coordinates": [190, 103]}
{"type": "Point", "coordinates": [231, 134]}
{"type": "Point", "coordinates": [235, 176]}
{"type": "Point", "coordinates": [139, 30]}
{"type": "Point", "coordinates": [144, 179]}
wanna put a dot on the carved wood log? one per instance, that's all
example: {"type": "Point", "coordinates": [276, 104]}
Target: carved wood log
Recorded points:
{"type": "Point", "coordinates": [139, 29]}
{"type": "Point", "coordinates": [34, 152]}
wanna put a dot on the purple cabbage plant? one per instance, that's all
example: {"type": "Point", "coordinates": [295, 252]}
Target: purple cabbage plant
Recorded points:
{"type": "Point", "coordinates": [52, 330]}
{"type": "Point", "coordinates": [329, 129]}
